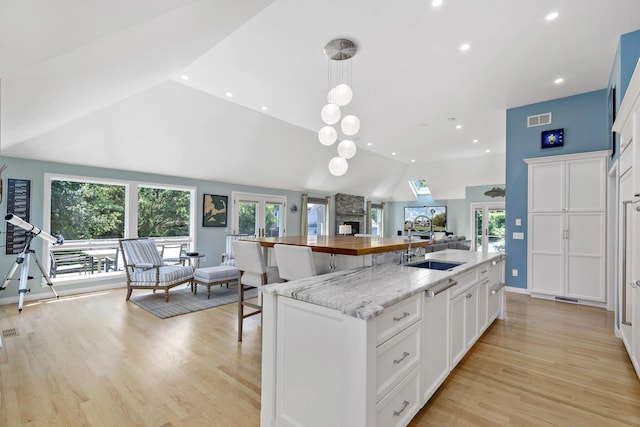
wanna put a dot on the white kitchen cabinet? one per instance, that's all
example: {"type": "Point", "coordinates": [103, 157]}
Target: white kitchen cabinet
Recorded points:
{"type": "Point", "coordinates": [435, 342]}
{"type": "Point", "coordinates": [464, 323]}
{"type": "Point", "coordinates": [495, 292]}
{"type": "Point", "coordinates": [325, 365]}
{"type": "Point", "coordinates": [566, 227]}
{"type": "Point", "coordinates": [627, 126]}
{"type": "Point", "coordinates": [567, 183]}
{"type": "Point", "coordinates": [634, 287]}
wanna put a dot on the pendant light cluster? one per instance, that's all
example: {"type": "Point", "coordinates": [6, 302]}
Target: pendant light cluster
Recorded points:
{"type": "Point", "coordinates": [339, 52]}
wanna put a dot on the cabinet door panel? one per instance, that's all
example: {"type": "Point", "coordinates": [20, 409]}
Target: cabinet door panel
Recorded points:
{"type": "Point", "coordinates": [585, 185]}
{"type": "Point", "coordinates": [457, 330]}
{"type": "Point", "coordinates": [435, 344]}
{"type": "Point", "coordinates": [546, 253]}
{"type": "Point", "coordinates": [585, 258]}
{"type": "Point", "coordinates": [471, 317]}
{"type": "Point", "coordinates": [546, 192]}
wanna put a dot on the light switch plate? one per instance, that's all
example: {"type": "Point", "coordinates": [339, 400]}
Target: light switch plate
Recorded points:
{"type": "Point", "coordinates": [518, 222]}
{"type": "Point", "coordinates": [514, 272]}
{"type": "Point", "coordinates": [518, 236]}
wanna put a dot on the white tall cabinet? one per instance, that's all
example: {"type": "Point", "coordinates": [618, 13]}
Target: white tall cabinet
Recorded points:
{"type": "Point", "coordinates": [566, 227]}
{"type": "Point", "coordinates": [627, 125]}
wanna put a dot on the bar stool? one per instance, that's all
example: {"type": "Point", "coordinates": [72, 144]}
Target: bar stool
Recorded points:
{"type": "Point", "coordinates": [252, 273]}
{"type": "Point", "coordinates": [294, 262]}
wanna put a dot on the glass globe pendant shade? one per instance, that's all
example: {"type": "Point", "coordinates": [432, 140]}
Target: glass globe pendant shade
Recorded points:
{"type": "Point", "coordinates": [342, 94]}
{"type": "Point", "coordinates": [347, 149]}
{"type": "Point", "coordinates": [327, 135]}
{"type": "Point", "coordinates": [338, 166]}
{"type": "Point", "coordinates": [330, 114]}
{"type": "Point", "coordinates": [350, 125]}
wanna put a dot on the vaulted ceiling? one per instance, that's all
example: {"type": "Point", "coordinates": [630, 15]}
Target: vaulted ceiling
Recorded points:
{"type": "Point", "coordinates": [99, 83]}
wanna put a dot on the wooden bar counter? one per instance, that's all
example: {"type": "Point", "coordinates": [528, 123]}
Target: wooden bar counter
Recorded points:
{"type": "Point", "coordinates": [345, 245]}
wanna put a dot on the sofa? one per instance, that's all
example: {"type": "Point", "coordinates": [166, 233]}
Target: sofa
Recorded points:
{"type": "Point", "coordinates": [449, 242]}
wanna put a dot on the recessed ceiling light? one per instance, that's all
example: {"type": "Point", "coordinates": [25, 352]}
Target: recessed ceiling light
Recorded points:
{"type": "Point", "coordinates": [393, 154]}
{"type": "Point", "coordinates": [436, 3]}
{"type": "Point", "coordinates": [552, 16]}
{"type": "Point", "coordinates": [184, 77]}
{"type": "Point", "coordinates": [229, 94]}
{"type": "Point", "coordinates": [458, 126]}
{"type": "Point", "coordinates": [413, 160]}
{"type": "Point", "coordinates": [487, 151]}
{"type": "Point", "coordinates": [464, 47]}
{"type": "Point", "coordinates": [263, 108]}
{"type": "Point", "coordinates": [369, 144]}
{"type": "Point", "coordinates": [475, 140]}
{"type": "Point", "coordinates": [558, 81]}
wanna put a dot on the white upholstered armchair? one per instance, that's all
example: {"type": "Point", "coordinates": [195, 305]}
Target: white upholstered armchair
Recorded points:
{"type": "Point", "coordinates": [145, 269]}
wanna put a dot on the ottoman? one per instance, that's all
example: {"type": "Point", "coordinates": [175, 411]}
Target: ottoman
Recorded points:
{"type": "Point", "coordinates": [209, 276]}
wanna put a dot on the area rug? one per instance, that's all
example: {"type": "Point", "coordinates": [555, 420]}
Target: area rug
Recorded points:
{"type": "Point", "coordinates": [183, 301]}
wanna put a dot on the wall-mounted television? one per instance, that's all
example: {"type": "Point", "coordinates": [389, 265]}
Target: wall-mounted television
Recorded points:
{"type": "Point", "coordinates": [437, 214]}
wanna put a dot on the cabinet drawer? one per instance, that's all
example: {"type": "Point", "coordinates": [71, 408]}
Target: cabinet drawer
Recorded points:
{"type": "Point", "coordinates": [483, 271]}
{"type": "Point", "coordinates": [399, 406]}
{"type": "Point", "coordinates": [464, 281]}
{"type": "Point", "coordinates": [397, 317]}
{"type": "Point", "coordinates": [396, 358]}
{"type": "Point", "coordinates": [626, 159]}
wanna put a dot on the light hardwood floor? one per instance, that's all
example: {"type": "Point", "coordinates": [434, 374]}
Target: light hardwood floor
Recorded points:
{"type": "Point", "coordinates": [97, 360]}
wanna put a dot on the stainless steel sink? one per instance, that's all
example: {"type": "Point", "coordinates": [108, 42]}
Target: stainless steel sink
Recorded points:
{"type": "Point", "coordinates": [436, 265]}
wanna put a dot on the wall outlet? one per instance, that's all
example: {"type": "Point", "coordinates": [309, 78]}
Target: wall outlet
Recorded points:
{"type": "Point", "coordinates": [514, 272]}
{"type": "Point", "coordinates": [518, 222]}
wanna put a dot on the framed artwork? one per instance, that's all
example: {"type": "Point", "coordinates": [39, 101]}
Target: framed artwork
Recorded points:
{"type": "Point", "coordinates": [612, 118]}
{"type": "Point", "coordinates": [552, 138]}
{"type": "Point", "coordinates": [214, 211]}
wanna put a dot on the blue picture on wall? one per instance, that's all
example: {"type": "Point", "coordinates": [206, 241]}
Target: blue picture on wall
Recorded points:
{"type": "Point", "coordinates": [552, 138]}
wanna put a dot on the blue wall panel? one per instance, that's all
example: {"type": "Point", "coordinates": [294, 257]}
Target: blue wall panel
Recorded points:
{"type": "Point", "coordinates": [584, 120]}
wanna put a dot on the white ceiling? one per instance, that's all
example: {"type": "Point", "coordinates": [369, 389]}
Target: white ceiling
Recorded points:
{"type": "Point", "coordinates": [97, 82]}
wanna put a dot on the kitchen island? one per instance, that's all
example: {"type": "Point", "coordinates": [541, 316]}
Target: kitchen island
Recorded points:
{"type": "Point", "coordinates": [344, 252]}
{"type": "Point", "coordinates": [369, 346]}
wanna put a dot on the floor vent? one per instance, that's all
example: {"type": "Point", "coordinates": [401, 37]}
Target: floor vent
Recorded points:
{"type": "Point", "coordinates": [539, 120]}
{"type": "Point", "coordinates": [564, 299]}
{"type": "Point", "coordinates": [13, 332]}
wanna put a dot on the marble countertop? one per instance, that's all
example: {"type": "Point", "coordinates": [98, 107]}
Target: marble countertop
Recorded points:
{"type": "Point", "coordinates": [365, 292]}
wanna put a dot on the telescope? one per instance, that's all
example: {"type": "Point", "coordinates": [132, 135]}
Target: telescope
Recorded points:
{"type": "Point", "coordinates": [25, 256]}
{"type": "Point", "coordinates": [19, 222]}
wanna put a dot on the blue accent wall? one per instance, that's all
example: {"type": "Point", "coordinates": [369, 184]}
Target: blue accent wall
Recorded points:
{"type": "Point", "coordinates": [585, 123]}
{"type": "Point", "coordinates": [629, 50]}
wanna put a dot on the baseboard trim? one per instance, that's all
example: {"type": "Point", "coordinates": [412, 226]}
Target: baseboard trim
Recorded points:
{"type": "Point", "coordinates": [516, 290]}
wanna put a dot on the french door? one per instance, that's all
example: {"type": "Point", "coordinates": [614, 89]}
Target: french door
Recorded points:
{"type": "Point", "coordinates": [259, 214]}
{"type": "Point", "coordinates": [488, 221]}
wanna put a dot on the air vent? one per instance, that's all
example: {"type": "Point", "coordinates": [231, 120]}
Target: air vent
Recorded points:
{"type": "Point", "coordinates": [539, 120]}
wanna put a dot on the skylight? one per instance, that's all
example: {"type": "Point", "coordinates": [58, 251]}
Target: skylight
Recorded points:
{"type": "Point", "coordinates": [419, 187]}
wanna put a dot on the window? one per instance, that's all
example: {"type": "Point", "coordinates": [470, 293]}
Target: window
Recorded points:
{"type": "Point", "coordinates": [163, 212]}
{"type": "Point", "coordinates": [419, 187]}
{"type": "Point", "coordinates": [375, 213]}
{"type": "Point", "coordinates": [92, 214]}
{"type": "Point", "coordinates": [258, 214]}
{"type": "Point", "coordinates": [315, 216]}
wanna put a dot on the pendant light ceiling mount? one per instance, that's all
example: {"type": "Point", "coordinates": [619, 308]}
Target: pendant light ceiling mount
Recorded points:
{"type": "Point", "coordinates": [340, 49]}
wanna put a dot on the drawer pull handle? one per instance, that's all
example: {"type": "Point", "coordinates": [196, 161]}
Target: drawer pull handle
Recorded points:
{"type": "Point", "coordinates": [404, 406]}
{"type": "Point", "coordinates": [397, 319]}
{"type": "Point", "coordinates": [483, 271]}
{"type": "Point", "coordinates": [405, 354]}
{"type": "Point", "coordinates": [431, 293]}
{"type": "Point", "coordinates": [497, 288]}
{"type": "Point", "coordinates": [469, 295]}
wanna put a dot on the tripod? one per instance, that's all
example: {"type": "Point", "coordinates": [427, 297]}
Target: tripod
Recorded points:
{"type": "Point", "coordinates": [23, 261]}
